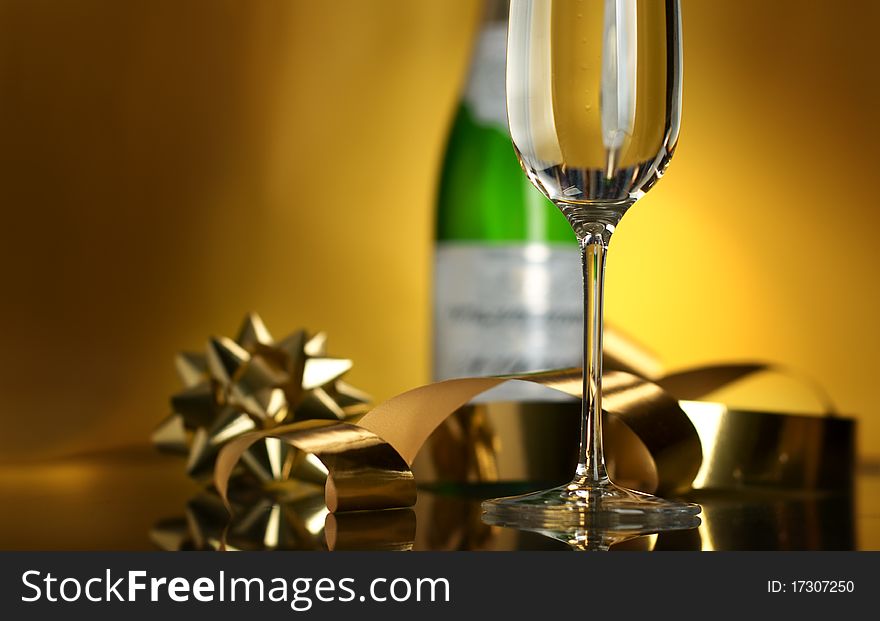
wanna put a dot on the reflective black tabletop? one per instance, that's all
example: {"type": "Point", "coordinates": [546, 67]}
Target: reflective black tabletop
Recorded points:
{"type": "Point", "coordinates": [136, 499]}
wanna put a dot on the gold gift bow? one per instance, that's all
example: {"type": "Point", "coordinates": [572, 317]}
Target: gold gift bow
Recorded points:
{"type": "Point", "coordinates": [251, 383]}
{"type": "Point", "coordinates": [368, 463]}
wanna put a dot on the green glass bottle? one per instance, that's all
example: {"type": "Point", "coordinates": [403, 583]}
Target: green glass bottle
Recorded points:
{"type": "Point", "coordinates": [507, 274]}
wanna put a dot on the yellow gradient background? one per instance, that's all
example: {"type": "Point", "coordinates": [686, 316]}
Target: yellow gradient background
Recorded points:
{"type": "Point", "coordinates": [168, 165]}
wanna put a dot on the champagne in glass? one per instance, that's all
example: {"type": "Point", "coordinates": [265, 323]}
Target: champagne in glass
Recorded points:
{"type": "Point", "coordinates": [593, 103]}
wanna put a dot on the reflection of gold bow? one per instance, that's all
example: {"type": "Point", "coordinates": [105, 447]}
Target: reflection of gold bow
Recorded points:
{"type": "Point", "coordinates": [670, 443]}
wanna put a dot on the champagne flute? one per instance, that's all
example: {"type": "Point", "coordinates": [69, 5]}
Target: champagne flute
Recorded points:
{"type": "Point", "coordinates": [593, 103]}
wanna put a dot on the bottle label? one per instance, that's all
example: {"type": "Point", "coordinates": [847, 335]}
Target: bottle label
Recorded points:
{"type": "Point", "coordinates": [484, 93]}
{"type": "Point", "coordinates": [507, 309]}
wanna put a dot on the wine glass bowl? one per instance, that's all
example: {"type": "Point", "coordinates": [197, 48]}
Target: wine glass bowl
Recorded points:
{"type": "Point", "coordinates": [594, 96]}
{"type": "Point", "coordinates": [594, 107]}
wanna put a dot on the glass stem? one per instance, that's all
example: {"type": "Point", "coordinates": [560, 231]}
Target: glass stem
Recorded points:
{"type": "Point", "coordinates": [593, 240]}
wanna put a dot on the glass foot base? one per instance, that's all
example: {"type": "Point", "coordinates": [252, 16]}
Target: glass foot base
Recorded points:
{"type": "Point", "coordinates": [603, 507]}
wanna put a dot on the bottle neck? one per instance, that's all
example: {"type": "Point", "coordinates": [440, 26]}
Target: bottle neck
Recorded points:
{"type": "Point", "coordinates": [484, 93]}
{"type": "Point", "coordinates": [495, 11]}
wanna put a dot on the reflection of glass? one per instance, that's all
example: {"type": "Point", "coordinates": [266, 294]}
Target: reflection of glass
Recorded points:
{"type": "Point", "coordinates": [593, 103]}
{"type": "Point", "coordinates": [582, 539]}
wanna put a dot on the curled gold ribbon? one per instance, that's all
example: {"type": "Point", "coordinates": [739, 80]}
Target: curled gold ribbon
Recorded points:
{"type": "Point", "coordinates": [647, 445]}
{"type": "Point", "coordinates": [364, 472]}
{"type": "Point", "coordinates": [658, 429]}
{"type": "Point", "coordinates": [368, 463]}
{"type": "Point", "coordinates": [695, 383]}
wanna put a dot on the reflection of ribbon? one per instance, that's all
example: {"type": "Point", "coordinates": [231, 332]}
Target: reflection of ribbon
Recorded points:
{"type": "Point", "coordinates": [368, 463]}
{"type": "Point", "coordinates": [296, 523]}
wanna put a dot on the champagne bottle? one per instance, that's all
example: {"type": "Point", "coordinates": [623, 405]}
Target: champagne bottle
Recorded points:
{"type": "Point", "coordinates": [507, 273]}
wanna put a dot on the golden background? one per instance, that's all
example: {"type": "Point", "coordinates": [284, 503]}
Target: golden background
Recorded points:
{"type": "Point", "coordinates": [168, 165]}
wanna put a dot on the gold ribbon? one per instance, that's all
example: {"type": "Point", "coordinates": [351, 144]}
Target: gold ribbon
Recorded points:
{"type": "Point", "coordinates": [659, 447]}
{"type": "Point", "coordinates": [738, 449]}
{"type": "Point", "coordinates": [660, 432]}
{"type": "Point", "coordinates": [368, 463]}
{"type": "Point", "coordinates": [364, 472]}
